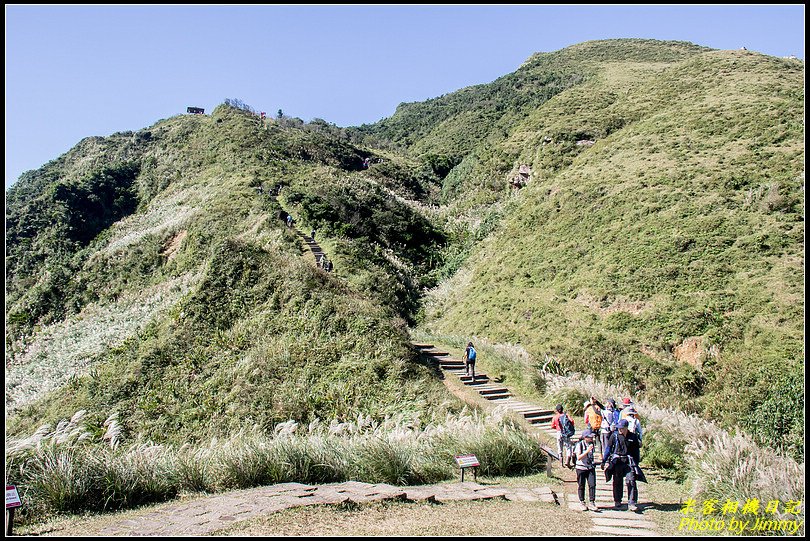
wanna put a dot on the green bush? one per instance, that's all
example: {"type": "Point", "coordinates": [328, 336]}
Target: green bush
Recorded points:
{"type": "Point", "coordinates": [571, 399]}
{"type": "Point", "coordinates": [664, 451]}
{"type": "Point", "coordinates": [539, 382]}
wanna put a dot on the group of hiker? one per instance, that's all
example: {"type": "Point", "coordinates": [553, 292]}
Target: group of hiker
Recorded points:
{"type": "Point", "coordinates": [618, 433]}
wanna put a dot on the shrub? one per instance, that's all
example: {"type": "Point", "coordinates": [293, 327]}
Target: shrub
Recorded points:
{"type": "Point", "coordinates": [539, 382]}
{"type": "Point", "coordinates": [571, 399]}
{"type": "Point", "coordinates": [664, 451]}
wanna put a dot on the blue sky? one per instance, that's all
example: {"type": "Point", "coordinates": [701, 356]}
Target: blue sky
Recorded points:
{"type": "Point", "coordinates": [78, 71]}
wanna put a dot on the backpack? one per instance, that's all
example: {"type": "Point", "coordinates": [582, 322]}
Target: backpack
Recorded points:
{"type": "Point", "coordinates": [471, 354]}
{"type": "Point", "coordinates": [595, 419]}
{"type": "Point", "coordinates": [566, 426]}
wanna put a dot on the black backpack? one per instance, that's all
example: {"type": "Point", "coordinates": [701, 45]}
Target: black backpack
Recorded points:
{"type": "Point", "coordinates": [566, 426]}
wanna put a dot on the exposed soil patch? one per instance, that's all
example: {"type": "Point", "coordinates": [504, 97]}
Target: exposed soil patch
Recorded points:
{"type": "Point", "coordinates": [173, 244]}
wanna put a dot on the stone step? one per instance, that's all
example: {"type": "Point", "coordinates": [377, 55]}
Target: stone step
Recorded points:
{"type": "Point", "coordinates": [437, 353]}
{"type": "Point", "coordinates": [624, 531]}
{"type": "Point", "coordinates": [467, 378]}
{"type": "Point", "coordinates": [539, 413]}
{"type": "Point", "coordinates": [628, 523]}
{"type": "Point", "coordinates": [497, 396]}
{"type": "Point", "coordinates": [494, 390]}
{"type": "Point", "coordinates": [423, 346]}
{"type": "Point", "coordinates": [524, 408]}
{"type": "Point", "coordinates": [600, 498]}
{"type": "Point", "coordinates": [621, 515]}
{"type": "Point", "coordinates": [534, 417]}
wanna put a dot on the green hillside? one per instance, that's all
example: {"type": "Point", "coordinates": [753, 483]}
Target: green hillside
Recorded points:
{"type": "Point", "coordinates": [147, 276]}
{"type": "Point", "coordinates": [658, 243]}
{"type": "Point", "coordinates": [667, 255]}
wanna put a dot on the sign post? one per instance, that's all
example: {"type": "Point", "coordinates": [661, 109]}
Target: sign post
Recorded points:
{"type": "Point", "coordinates": [467, 461]}
{"type": "Point", "coordinates": [12, 502]}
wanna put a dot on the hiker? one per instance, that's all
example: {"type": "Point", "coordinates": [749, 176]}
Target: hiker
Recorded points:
{"type": "Point", "coordinates": [313, 235]}
{"type": "Point", "coordinates": [626, 403]}
{"type": "Point", "coordinates": [586, 469]}
{"type": "Point", "coordinates": [610, 416]}
{"type": "Point", "coordinates": [328, 265]}
{"type": "Point", "coordinates": [593, 418]}
{"type": "Point", "coordinates": [564, 425]}
{"type": "Point", "coordinates": [633, 424]}
{"type": "Point", "coordinates": [469, 360]}
{"type": "Point", "coordinates": [620, 462]}
{"type": "Point", "coordinates": [322, 261]}
{"type": "Point", "coordinates": [289, 220]}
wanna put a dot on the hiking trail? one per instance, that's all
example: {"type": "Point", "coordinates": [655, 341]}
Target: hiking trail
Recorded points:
{"type": "Point", "coordinates": [606, 520]}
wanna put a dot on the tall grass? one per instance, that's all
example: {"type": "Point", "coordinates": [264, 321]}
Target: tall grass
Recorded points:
{"type": "Point", "coordinates": [57, 472]}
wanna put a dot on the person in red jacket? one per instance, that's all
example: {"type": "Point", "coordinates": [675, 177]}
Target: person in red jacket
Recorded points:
{"type": "Point", "coordinates": [564, 425]}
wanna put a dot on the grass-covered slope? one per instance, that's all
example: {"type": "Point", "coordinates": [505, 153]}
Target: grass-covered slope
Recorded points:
{"type": "Point", "coordinates": [668, 255]}
{"type": "Point", "coordinates": [148, 277]}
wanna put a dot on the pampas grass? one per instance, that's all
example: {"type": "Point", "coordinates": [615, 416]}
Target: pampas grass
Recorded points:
{"type": "Point", "coordinates": [58, 472]}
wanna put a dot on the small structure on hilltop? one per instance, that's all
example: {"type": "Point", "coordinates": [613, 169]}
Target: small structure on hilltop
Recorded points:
{"type": "Point", "coordinates": [195, 110]}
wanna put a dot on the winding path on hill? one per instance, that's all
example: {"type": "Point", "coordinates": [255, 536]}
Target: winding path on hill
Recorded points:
{"type": "Point", "coordinates": [606, 520]}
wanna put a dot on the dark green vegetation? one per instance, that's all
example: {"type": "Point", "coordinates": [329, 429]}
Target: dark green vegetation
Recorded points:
{"type": "Point", "coordinates": [658, 244]}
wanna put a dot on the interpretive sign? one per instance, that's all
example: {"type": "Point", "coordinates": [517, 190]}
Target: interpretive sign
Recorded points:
{"type": "Point", "coordinates": [12, 498]}
{"type": "Point", "coordinates": [467, 461]}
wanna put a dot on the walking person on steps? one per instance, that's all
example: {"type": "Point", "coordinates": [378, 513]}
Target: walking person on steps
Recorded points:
{"type": "Point", "coordinates": [621, 463]}
{"type": "Point", "coordinates": [564, 425]}
{"type": "Point", "coordinates": [469, 360]}
{"type": "Point", "coordinates": [586, 470]}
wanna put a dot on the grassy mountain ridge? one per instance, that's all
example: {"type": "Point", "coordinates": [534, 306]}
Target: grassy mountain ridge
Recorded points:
{"type": "Point", "coordinates": [242, 331]}
{"type": "Point", "coordinates": [682, 224]}
{"type": "Point", "coordinates": [667, 247]}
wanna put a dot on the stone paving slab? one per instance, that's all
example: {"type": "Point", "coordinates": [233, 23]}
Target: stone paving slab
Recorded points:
{"type": "Point", "coordinates": [628, 523]}
{"type": "Point", "coordinates": [211, 514]}
{"type": "Point", "coordinates": [366, 498]}
{"type": "Point", "coordinates": [624, 515]}
{"type": "Point", "coordinates": [624, 531]}
{"type": "Point", "coordinates": [420, 493]}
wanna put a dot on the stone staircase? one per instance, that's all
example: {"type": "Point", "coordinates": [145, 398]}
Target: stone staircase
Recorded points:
{"type": "Point", "coordinates": [606, 520]}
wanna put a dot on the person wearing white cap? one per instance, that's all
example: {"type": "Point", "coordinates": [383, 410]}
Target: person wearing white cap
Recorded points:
{"type": "Point", "coordinates": [633, 424]}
